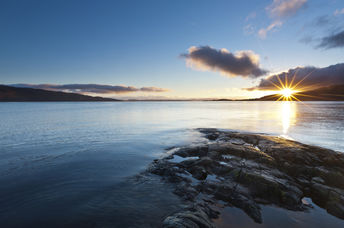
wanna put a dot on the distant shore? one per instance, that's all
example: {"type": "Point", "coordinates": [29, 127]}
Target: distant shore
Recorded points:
{"type": "Point", "coordinates": [16, 94]}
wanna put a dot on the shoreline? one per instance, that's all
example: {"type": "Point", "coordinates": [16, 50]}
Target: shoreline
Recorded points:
{"type": "Point", "coordinates": [248, 172]}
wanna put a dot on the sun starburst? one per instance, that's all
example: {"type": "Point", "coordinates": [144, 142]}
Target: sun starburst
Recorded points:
{"type": "Point", "coordinates": [289, 90]}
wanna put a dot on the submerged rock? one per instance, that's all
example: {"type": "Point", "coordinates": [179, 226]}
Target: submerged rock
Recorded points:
{"type": "Point", "coordinates": [246, 170]}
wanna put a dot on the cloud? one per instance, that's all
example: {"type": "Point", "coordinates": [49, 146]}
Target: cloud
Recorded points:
{"type": "Point", "coordinates": [263, 32]}
{"type": "Point", "coordinates": [338, 12]}
{"type": "Point", "coordinates": [92, 88]}
{"type": "Point", "coordinates": [322, 21]}
{"type": "Point", "coordinates": [309, 77]}
{"type": "Point", "coordinates": [332, 41]}
{"type": "Point", "coordinates": [249, 29]}
{"type": "Point", "coordinates": [324, 32]}
{"type": "Point", "coordinates": [307, 39]}
{"type": "Point", "coordinates": [242, 63]}
{"type": "Point", "coordinates": [285, 8]}
{"type": "Point", "coordinates": [153, 89]}
{"type": "Point", "coordinates": [251, 16]}
{"type": "Point", "coordinates": [279, 10]}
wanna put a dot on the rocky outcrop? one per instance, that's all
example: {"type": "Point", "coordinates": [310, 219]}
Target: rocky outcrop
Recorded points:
{"type": "Point", "coordinates": [193, 216]}
{"type": "Point", "coordinates": [247, 170]}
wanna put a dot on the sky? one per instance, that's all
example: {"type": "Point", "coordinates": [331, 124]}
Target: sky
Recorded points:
{"type": "Point", "coordinates": [166, 48]}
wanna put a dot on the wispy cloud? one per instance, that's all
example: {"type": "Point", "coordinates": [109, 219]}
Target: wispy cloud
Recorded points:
{"type": "Point", "coordinates": [309, 77]}
{"type": "Point", "coordinates": [338, 12]}
{"type": "Point", "coordinates": [241, 63]}
{"type": "Point", "coordinates": [251, 16]}
{"type": "Point", "coordinates": [322, 21]}
{"type": "Point", "coordinates": [92, 88]}
{"type": "Point", "coordinates": [280, 10]}
{"type": "Point", "coordinates": [249, 29]}
{"type": "Point", "coordinates": [325, 31]}
{"type": "Point", "coordinates": [262, 33]}
{"type": "Point", "coordinates": [285, 8]}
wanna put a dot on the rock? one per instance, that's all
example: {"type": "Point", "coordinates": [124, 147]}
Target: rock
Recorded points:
{"type": "Point", "coordinates": [336, 209]}
{"type": "Point", "coordinates": [190, 218]}
{"type": "Point", "coordinates": [185, 191]}
{"type": "Point", "coordinates": [214, 154]}
{"type": "Point", "coordinates": [212, 136]}
{"type": "Point", "coordinates": [198, 173]}
{"type": "Point", "coordinates": [245, 170]}
{"type": "Point", "coordinates": [318, 180]}
{"type": "Point", "coordinates": [178, 222]}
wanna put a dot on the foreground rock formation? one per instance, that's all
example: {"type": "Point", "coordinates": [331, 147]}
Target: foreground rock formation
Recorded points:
{"type": "Point", "coordinates": [248, 170]}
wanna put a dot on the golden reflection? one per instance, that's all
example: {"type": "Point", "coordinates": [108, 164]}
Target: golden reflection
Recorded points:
{"type": "Point", "coordinates": [288, 115]}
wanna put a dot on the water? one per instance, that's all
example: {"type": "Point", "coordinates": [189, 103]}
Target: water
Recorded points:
{"type": "Point", "coordinates": [71, 164]}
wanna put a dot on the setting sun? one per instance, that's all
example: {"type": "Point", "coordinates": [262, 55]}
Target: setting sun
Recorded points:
{"type": "Point", "coordinates": [287, 92]}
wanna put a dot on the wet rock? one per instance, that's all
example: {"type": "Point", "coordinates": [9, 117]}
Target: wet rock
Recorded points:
{"type": "Point", "coordinates": [245, 170]}
{"type": "Point", "coordinates": [189, 218]}
{"type": "Point", "coordinates": [198, 173]}
{"type": "Point", "coordinates": [212, 136]}
{"type": "Point", "coordinates": [214, 154]}
{"type": "Point", "coordinates": [185, 191]}
{"type": "Point", "coordinates": [193, 151]}
{"type": "Point", "coordinates": [318, 180]}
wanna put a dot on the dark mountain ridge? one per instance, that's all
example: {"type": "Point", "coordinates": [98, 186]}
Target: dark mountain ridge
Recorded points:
{"type": "Point", "coordinates": [327, 93]}
{"type": "Point", "coordinates": [9, 93]}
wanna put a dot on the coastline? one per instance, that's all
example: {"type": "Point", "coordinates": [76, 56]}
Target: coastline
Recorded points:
{"type": "Point", "coordinates": [248, 172]}
{"type": "Point", "coordinates": [27, 94]}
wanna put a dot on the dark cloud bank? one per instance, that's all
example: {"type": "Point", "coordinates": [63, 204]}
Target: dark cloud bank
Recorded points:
{"type": "Point", "coordinates": [92, 88]}
{"type": "Point", "coordinates": [309, 77]}
{"type": "Point", "coordinates": [335, 40]}
{"type": "Point", "coordinates": [242, 63]}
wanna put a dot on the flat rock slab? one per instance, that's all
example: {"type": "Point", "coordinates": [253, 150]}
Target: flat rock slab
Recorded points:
{"type": "Point", "coordinates": [248, 170]}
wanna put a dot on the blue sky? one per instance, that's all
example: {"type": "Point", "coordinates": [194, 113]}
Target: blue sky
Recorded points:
{"type": "Point", "coordinates": [139, 43]}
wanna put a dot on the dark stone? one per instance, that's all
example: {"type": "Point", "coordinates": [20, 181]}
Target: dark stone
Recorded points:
{"type": "Point", "coordinates": [190, 218]}
{"type": "Point", "coordinates": [245, 170]}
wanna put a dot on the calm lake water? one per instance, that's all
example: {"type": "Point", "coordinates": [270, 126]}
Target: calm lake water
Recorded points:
{"type": "Point", "coordinates": [72, 164]}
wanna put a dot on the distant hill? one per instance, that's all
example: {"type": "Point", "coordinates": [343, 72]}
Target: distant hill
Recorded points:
{"type": "Point", "coordinates": [9, 93]}
{"type": "Point", "coordinates": [328, 93]}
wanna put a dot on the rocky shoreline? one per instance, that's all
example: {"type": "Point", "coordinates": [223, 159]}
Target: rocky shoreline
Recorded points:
{"type": "Point", "coordinates": [249, 170]}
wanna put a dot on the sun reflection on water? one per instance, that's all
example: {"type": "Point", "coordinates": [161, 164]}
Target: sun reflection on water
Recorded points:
{"type": "Point", "coordinates": [288, 115]}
